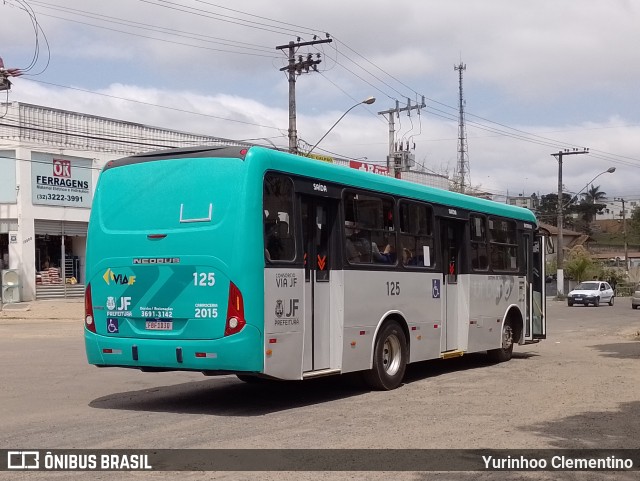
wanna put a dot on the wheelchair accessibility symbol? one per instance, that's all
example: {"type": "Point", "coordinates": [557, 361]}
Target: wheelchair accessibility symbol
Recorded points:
{"type": "Point", "coordinates": [112, 326]}
{"type": "Point", "coordinates": [435, 288]}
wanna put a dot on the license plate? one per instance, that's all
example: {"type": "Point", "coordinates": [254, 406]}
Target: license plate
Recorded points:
{"type": "Point", "coordinates": [159, 325]}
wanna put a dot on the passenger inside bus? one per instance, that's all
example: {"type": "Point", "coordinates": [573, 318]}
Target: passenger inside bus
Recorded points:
{"type": "Point", "coordinates": [278, 240]}
{"type": "Point", "coordinates": [358, 247]}
{"type": "Point", "coordinates": [387, 256]}
{"type": "Point", "coordinates": [408, 258]}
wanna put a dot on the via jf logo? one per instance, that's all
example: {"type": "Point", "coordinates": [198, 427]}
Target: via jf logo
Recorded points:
{"type": "Point", "coordinates": [121, 279]}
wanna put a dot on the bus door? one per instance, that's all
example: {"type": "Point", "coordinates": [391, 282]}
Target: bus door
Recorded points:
{"type": "Point", "coordinates": [452, 241]}
{"type": "Point", "coordinates": [536, 323]}
{"type": "Point", "coordinates": [317, 215]}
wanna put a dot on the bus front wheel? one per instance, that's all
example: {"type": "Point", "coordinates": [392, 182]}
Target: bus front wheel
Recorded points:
{"type": "Point", "coordinates": [503, 353]}
{"type": "Point", "coordinates": [389, 358]}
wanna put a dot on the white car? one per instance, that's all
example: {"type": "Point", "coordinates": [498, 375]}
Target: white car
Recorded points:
{"type": "Point", "coordinates": [591, 292]}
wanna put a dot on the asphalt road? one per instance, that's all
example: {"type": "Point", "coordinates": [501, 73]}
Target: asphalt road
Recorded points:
{"type": "Point", "coordinates": [577, 389]}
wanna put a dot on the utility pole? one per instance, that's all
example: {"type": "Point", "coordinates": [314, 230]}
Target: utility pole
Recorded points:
{"type": "Point", "coordinates": [398, 156]}
{"type": "Point", "coordinates": [303, 65]}
{"type": "Point", "coordinates": [5, 73]}
{"type": "Point", "coordinates": [624, 235]}
{"type": "Point", "coordinates": [462, 168]}
{"type": "Point", "coordinates": [560, 253]}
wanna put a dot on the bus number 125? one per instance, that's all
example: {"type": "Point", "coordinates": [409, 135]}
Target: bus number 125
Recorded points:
{"type": "Point", "coordinates": [204, 278]}
{"type": "Point", "coordinates": [393, 288]}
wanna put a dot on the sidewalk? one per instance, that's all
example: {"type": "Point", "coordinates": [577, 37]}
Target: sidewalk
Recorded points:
{"type": "Point", "coordinates": [44, 309]}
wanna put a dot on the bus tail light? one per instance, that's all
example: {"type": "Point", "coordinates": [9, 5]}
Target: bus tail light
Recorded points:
{"type": "Point", "coordinates": [89, 321]}
{"type": "Point", "coordinates": [235, 311]}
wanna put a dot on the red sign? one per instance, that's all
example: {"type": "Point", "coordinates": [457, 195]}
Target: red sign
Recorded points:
{"type": "Point", "coordinates": [373, 168]}
{"type": "Point", "coordinates": [61, 168]}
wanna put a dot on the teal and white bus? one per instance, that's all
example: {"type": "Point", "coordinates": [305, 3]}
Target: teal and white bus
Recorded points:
{"type": "Point", "coordinates": [260, 263]}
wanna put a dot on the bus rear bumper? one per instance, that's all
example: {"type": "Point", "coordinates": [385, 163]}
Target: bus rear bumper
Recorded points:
{"type": "Point", "coordinates": [242, 352]}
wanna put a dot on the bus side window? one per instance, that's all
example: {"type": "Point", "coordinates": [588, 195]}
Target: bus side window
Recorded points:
{"type": "Point", "coordinates": [369, 233]}
{"type": "Point", "coordinates": [279, 241]}
{"type": "Point", "coordinates": [416, 235]}
{"type": "Point", "coordinates": [503, 244]}
{"type": "Point", "coordinates": [479, 251]}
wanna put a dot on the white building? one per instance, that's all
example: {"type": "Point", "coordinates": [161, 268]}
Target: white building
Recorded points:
{"type": "Point", "coordinates": [522, 201]}
{"type": "Point", "coordinates": [49, 164]}
{"type": "Point", "coordinates": [50, 160]}
{"type": "Point", "coordinates": [613, 209]}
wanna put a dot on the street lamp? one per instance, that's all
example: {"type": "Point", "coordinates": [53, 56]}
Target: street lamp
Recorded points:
{"type": "Point", "coordinates": [610, 170]}
{"type": "Point", "coordinates": [367, 101]}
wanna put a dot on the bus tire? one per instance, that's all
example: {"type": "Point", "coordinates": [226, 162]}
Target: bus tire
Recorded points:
{"type": "Point", "coordinates": [505, 352]}
{"type": "Point", "coordinates": [390, 355]}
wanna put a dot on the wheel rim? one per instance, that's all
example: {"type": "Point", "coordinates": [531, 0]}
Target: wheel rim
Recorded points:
{"type": "Point", "coordinates": [391, 355]}
{"type": "Point", "coordinates": [507, 337]}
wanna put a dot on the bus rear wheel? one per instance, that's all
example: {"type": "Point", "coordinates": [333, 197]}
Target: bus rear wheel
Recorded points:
{"type": "Point", "coordinates": [505, 352]}
{"type": "Point", "coordinates": [389, 358]}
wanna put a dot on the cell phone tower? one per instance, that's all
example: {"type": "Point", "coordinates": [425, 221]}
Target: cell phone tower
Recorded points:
{"type": "Point", "coordinates": [461, 178]}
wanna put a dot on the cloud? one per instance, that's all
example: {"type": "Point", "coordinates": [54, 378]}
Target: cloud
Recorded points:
{"type": "Point", "coordinates": [560, 69]}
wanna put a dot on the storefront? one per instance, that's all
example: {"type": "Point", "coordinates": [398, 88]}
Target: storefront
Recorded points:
{"type": "Point", "coordinates": [9, 277]}
{"type": "Point", "coordinates": [8, 228]}
{"type": "Point", "coordinates": [4, 251]}
{"type": "Point", "coordinates": [60, 251]}
{"type": "Point", "coordinates": [8, 199]}
{"type": "Point", "coordinates": [53, 205]}
{"type": "Point", "coordinates": [61, 245]}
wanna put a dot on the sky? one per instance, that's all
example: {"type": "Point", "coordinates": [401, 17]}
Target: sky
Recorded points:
{"type": "Point", "coordinates": [540, 77]}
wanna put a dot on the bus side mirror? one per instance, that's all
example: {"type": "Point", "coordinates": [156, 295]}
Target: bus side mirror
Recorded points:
{"type": "Point", "coordinates": [549, 248]}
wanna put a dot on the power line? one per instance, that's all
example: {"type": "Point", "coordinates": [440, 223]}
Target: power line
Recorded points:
{"type": "Point", "coordinates": [312, 31]}
{"type": "Point", "coordinates": [37, 30]}
{"type": "Point", "coordinates": [52, 128]}
{"type": "Point", "coordinates": [164, 40]}
{"type": "Point", "coordinates": [219, 17]}
{"type": "Point", "coordinates": [276, 26]}
{"type": "Point", "coordinates": [145, 26]}
{"type": "Point", "coordinates": [175, 109]}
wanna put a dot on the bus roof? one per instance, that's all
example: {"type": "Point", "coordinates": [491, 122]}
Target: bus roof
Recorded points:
{"type": "Point", "coordinates": [308, 167]}
{"type": "Point", "coordinates": [325, 171]}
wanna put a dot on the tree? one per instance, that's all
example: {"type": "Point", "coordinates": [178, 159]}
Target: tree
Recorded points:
{"type": "Point", "coordinates": [579, 264]}
{"type": "Point", "coordinates": [594, 194]}
{"type": "Point", "coordinates": [589, 206]}
{"type": "Point", "coordinates": [547, 210]}
{"type": "Point", "coordinates": [634, 222]}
